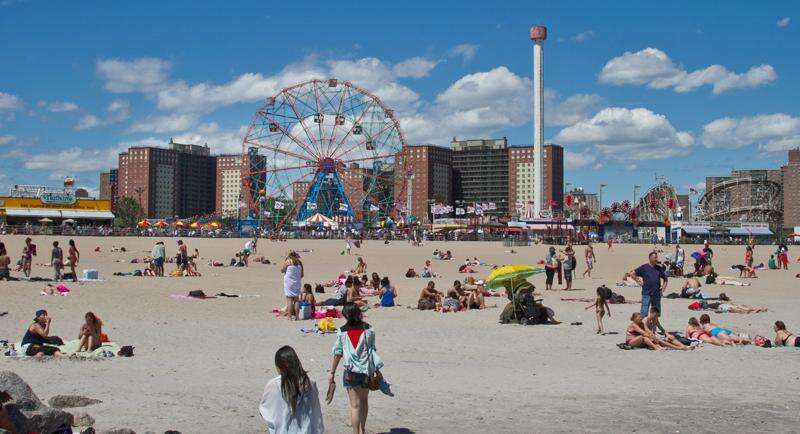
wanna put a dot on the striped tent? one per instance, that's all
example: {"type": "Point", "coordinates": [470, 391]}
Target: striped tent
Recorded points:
{"type": "Point", "coordinates": [318, 218]}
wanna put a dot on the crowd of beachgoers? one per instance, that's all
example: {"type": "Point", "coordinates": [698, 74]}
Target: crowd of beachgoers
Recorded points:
{"type": "Point", "coordinates": [291, 403]}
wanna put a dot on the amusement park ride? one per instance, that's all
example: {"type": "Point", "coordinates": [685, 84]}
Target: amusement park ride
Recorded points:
{"type": "Point", "coordinates": [323, 146]}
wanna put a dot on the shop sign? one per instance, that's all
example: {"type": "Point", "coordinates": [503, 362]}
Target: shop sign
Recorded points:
{"type": "Point", "coordinates": [58, 198]}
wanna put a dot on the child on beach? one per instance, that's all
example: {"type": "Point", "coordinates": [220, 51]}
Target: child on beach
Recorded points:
{"type": "Point", "coordinates": [600, 308]}
{"type": "Point", "coordinates": [387, 293]}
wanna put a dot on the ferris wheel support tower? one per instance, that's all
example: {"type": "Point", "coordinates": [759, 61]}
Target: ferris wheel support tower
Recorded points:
{"type": "Point", "coordinates": [538, 36]}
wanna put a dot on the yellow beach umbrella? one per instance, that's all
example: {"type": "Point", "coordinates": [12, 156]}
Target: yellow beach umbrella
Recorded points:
{"type": "Point", "coordinates": [513, 274]}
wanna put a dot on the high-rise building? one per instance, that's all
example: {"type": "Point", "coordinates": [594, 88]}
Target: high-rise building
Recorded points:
{"type": "Point", "coordinates": [229, 184]}
{"type": "Point", "coordinates": [105, 185]}
{"type": "Point", "coordinates": [429, 178]}
{"type": "Point", "coordinates": [168, 182]}
{"type": "Point", "coordinates": [791, 190]}
{"type": "Point", "coordinates": [522, 181]}
{"type": "Point", "coordinates": [685, 204]}
{"type": "Point", "coordinates": [480, 172]}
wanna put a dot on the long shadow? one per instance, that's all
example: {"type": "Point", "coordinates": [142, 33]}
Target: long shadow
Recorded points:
{"type": "Point", "coordinates": [398, 431]}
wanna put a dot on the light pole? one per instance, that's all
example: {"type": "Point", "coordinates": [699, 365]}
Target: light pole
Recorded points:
{"type": "Point", "coordinates": [600, 197]}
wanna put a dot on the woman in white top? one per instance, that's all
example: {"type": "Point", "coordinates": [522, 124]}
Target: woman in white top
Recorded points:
{"type": "Point", "coordinates": [355, 348]}
{"type": "Point", "coordinates": [292, 280]}
{"type": "Point", "coordinates": [291, 400]}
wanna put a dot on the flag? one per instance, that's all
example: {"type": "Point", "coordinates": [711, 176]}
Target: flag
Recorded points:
{"type": "Point", "coordinates": [520, 205]}
{"type": "Point", "coordinates": [343, 207]}
{"type": "Point", "coordinates": [311, 205]}
{"type": "Point", "coordinates": [459, 211]}
{"type": "Point", "coordinates": [278, 204]}
{"type": "Point", "coordinates": [374, 208]}
{"type": "Point", "coordinates": [492, 205]}
{"type": "Point", "coordinates": [267, 213]}
{"type": "Point", "coordinates": [470, 209]}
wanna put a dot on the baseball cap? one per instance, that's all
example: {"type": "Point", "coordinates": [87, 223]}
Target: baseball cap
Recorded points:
{"type": "Point", "coordinates": [40, 312]}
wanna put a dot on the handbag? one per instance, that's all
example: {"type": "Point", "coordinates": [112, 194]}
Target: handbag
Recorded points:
{"type": "Point", "coordinates": [376, 378]}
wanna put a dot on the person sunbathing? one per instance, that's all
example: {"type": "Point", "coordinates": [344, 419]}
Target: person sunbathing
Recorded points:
{"type": "Point", "coordinates": [37, 339]}
{"type": "Point", "coordinates": [637, 337]}
{"type": "Point", "coordinates": [783, 337]}
{"type": "Point", "coordinates": [723, 334]}
{"type": "Point", "coordinates": [475, 297]}
{"type": "Point", "coordinates": [653, 326]}
{"type": "Point", "coordinates": [361, 266]}
{"type": "Point", "coordinates": [628, 279]}
{"type": "Point", "coordinates": [695, 331]}
{"type": "Point", "coordinates": [352, 294]}
{"type": "Point", "coordinates": [387, 293]}
{"type": "Point", "coordinates": [89, 335]}
{"type": "Point", "coordinates": [429, 297]}
{"type": "Point", "coordinates": [452, 303]}
{"type": "Point", "coordinates": [737, 308]}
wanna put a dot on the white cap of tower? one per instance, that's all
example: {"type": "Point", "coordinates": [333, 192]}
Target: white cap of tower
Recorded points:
{"type": "Point", "coordinates": [538, 36]}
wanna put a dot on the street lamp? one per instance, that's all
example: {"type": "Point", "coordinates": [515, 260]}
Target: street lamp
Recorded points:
{"type": "Point", "coordinates": [600, 196]}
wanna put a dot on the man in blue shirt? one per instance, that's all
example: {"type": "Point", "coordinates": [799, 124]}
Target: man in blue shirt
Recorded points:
{"type": "Point", "coordinates": [653, 280]}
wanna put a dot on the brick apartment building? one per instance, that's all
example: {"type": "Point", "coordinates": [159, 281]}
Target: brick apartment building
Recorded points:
{"type": "Point", "coordinates": [430, 178]}
{"type": "Point", "coordinates": [168, 182]}
{"type": "Point", "coordinates": [521, 187]}
{"type": "Point", "coordinates": [791, 190]}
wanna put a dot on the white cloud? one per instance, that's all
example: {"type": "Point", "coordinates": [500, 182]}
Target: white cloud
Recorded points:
{"type": "Point", "coordinates": [783, 22]}
{"type": "Point", "coordinates": [484, 103]}
{"type": "Point", "coordinates": [574, 108]}
{"type": "Point", "coordinates": [583, 36]}
{"type": "Point", "coordinates": [465, 51]}
{"type": "Point", "coordinates": [9, 103]}
{"type": "Point", "coordinates": [415, 67]}
{"type": "Point", "coordinates": [164, 124]}
{"type": "Point", "coordinates": [628, 134]}
{"type": "Point", "coordinates": [772, 133]}
{"type": "Point", "coordinates": [87, 122]}
{"type": "Point", "coordinates": [61, 106]}
{"type": "Point", "coordinates": [73, 160]}
{"type": "Point", "coordinates": [118, 111]}
{"type": "Point", "coordinates": [579, 160]}
{"type": "Point", "coordinates": [221, 141]}
{"type": "Point", "coordinates": [631, 167]}
{"type": "Point", "coordinates": [146, 74]}
{"type": "Point", "coordinates": [7, 139]}
{"type": "Point", "coordinates": [653, 68]}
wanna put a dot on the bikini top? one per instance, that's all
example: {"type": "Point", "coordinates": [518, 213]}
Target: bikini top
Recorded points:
{"type": "Point", "coordinates": [788, 335]}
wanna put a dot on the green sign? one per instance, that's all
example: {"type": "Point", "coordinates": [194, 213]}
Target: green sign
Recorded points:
{"type": "Point", "coordinates": [58, 198]}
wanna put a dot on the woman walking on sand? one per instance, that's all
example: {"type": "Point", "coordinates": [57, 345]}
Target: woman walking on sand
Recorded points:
{"type": "Point", "coordinates": [588, 255]}
{"type": "Point", "coordinates": [355, 347]}
{"type": "Point", "coordinates": [292, 281]}
{"type": "Point", "coordinates": [73, 256]}
{"type": "Point", "coordinates": [290, 403]}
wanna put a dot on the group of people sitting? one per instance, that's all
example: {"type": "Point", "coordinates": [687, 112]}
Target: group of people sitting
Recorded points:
{"type": "Point", "coordinates": [459, 297]}
{"type": "Point", "coordinates": [353, 289]}
{"type": "Point", "coordinates": [444, 255]}
{"type": "Point", "coordinates": [38, 341]}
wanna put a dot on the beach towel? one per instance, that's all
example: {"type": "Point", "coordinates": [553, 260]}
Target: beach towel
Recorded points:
{"type": "Point", "coordinates": [71, 347]}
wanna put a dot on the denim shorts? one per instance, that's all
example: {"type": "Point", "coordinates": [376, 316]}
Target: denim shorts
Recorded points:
{"type": "Point", "coordinates": [353, 380]}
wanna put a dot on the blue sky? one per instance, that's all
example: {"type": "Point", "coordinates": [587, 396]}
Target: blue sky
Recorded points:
{"type": "Point", "coordinates": [683, 90]}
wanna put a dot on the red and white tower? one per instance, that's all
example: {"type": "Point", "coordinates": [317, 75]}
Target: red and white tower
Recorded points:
{"type": "Point", "coordinates": [538, 36]}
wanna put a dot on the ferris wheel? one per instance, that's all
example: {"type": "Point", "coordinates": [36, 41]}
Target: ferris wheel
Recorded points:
{"type": "Point", "coordinates": [327, 147]}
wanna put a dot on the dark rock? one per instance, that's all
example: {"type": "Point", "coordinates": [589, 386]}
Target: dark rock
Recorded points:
{"type": "Point", "coordinates": [27, 412]}
{"type": "Point", "coordinates": [71, 401]}
{"type": "Point", "coordinates": [82, 418]}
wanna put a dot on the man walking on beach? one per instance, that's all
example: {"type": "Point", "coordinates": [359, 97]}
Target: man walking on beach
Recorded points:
{"type": "Point", "coordinates": [653, 280]}
{"type": "Point", "coordinates": [159, 253]}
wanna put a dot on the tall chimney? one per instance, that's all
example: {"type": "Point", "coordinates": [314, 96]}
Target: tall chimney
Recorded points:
{"type": "Point", "coordinates": [538, 36]}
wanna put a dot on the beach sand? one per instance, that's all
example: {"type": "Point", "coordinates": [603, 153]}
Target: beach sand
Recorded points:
{"type": "Point", "coordinates": [201, 365]}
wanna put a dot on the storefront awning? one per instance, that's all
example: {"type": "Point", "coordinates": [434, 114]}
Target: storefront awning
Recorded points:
{"type": "Point", "coordinates": [33, 212]}
{"type": "Point", "coordinates": [746, 231]}
{"type": "Point", "coordinates": [553, 227]}
{"type": "Point", "coordinates": [695, 230]}
{"type": "Point", "coordinates": [93, 215]}
{"type": "Point", "coordinates": [58, 214]}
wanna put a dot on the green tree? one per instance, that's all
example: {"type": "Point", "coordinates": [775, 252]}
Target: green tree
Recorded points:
{"type": "Point", "coordinates": [128, 212]}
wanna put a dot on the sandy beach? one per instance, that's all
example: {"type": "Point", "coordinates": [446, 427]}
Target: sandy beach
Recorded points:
{"type": "Point", "coordinates": [201, 365]}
